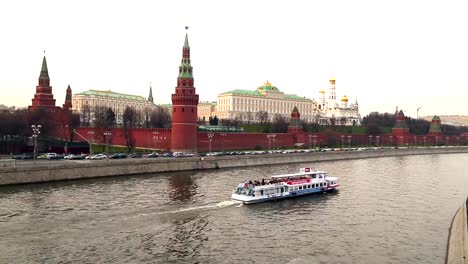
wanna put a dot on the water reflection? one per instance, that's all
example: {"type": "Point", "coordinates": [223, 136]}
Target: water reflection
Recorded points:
{"type": "Point", "coordinates": [182, 239]}
{"type": "Point", "coordinates": [182, 186]}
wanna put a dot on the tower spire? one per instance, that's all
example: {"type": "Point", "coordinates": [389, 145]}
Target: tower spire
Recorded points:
{"type": "Point", "coordinates": [43, 96]}
{"type": "Point", "coordinates": [44, 71]}
{"type": "Point", "coordinates": [150, 97]}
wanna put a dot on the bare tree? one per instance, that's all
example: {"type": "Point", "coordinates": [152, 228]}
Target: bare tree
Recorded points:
{"type": "Point", "coordinates": [147, 116]}
{"type": "Point", "coordinates": [249, 117]}
{"type": "Point", "coordinates": [42, 116]}
{"type": "Point", "coordinates": [160, 118]}
{"type": "Point", "coordinates": [100, 116]}
{"type": "Point", "coordinates": [129, 120]}
{"type": "Point", "coordinates": [262, 117]}
{"type": "Point", "coordinates": [86, 115]}
{"type": "Point", "coordinates": [110, 118]}
{"type": "Point", "coordinates": [279, 124]}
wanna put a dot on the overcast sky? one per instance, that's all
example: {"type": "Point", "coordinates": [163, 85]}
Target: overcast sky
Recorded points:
{"type": "Point", "coordinates": [407, 53]}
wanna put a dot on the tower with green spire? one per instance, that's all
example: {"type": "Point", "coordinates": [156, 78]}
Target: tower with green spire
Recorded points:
{"type": "Point", "coordinates": [43, 95]}
{"type": "Point", "coordinates": [295, 125]}
{"type": "Point", "coordinates": [435, 129]}
{"type": "Point", "coordinates": [184, 107]}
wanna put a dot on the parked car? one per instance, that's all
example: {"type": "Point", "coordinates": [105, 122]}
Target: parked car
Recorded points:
{"type": "Point", "coordinates": [73, 157]}
{"type": "Point", "coordinates": [24, 156]}
{"type": "Point", "coordinates": [53, 156]}
{"type": "Point", "coordinates": [98, 157]}
{"type": "Point", "coordinates": [118, 156]}
{"type": "Point", "coordinates": [153, 155]}
{"type": "Point", "coordinates": [136, 155]}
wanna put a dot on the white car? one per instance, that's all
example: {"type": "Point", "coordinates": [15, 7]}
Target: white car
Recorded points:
{"type": "Point", "coordinates": [98, 157]}
{"type": "Point", "coordinates": [50, 156]}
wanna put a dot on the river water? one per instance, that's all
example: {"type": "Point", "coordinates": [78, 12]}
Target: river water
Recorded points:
{"type": "Point", "coordinates": [388, 210]}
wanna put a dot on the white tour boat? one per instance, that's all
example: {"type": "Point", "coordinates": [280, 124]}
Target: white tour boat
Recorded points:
{"type": "Point", "coordinates": [307, 181]}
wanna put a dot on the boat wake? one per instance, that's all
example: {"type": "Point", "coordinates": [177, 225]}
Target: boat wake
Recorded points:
{"type": "Point", "coordinates": [219, 205]}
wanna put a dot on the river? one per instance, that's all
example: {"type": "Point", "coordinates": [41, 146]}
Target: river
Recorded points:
{"type": "Point", "coordinates": [388, 210]}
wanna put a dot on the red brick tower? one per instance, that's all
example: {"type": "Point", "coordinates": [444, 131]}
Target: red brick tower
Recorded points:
{"type": "Point", "coordinates": [400, 130]}
{"type": "Point", "coordinates": [184, 107]}
{"type": "Point", "coordinates": [68, 99]}
{"type": "Point", "coordinates": [435, 129]}
{"type": "Point", "coordinates": [43, 95]}
{"type": "Point", "coordinates": [295, 125]}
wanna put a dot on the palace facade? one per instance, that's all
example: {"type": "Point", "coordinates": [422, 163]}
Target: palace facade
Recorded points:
{"type": "Point", "coordinates": [245, 104]}
{"type": "Point", "coordinates": [117, 101]}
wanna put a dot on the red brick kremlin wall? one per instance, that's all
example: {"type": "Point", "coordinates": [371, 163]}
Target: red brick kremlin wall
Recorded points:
{"type": "Point", "coordinates": [161, 139]}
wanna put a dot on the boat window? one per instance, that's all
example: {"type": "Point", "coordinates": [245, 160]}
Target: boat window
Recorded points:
{"type": "Point", "coordinates": [314, 176]}
{"type": "Point", "coordinates": [282, 189]}
{"type": "Point", "coordinates": [300, 187]}
{"type": "Point", "coordinates": [308, 186]}
{"type": "Point", "coordinates": [324, 184]}
{"type": "Point", "coordinates": [320, 184]}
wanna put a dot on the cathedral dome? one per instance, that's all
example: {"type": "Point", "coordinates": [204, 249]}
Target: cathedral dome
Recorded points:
{"type": "Point", "coordinates": [344, 98]}
{"type": "Point", "coordinates": [332, 78]}
{"type": "Point", "coordinates": [267, 84]}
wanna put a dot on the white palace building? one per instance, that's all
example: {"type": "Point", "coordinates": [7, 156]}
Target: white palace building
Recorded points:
{"type": "Point", "coordinates": [244, 104]}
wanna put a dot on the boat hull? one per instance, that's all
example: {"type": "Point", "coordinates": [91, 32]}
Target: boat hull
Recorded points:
{"type": "Point", "coordinates": [252, 200]}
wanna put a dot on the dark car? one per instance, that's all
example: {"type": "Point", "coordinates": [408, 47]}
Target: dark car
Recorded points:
{"type": "Point", "coordinates": [115, 156]}
{"type": "Point", "coordinates": [135, 155]}
{"type": "Point", "coordinates": [24, 156]}
{"type": "Point", "coordinates": [153, 155]}
{"type": "Point", "coordinates": [168, 155]}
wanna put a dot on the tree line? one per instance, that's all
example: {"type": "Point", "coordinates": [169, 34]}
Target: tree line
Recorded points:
{"type": "Point", "coordinates": [381, 123]}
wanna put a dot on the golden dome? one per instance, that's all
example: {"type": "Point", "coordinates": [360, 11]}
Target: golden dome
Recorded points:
{"type": "Point", "coordinates": [332, 78]}
{"type": "Point", "coordinates": [344, 98]}
{"type": "Point", "coordinates": [322, 91]}
{"type": "Point", "coordinates": [267, 83]}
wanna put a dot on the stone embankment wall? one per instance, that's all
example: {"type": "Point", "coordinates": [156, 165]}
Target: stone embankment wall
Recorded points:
{"type": "Point", "coordinates": [457, 249]}
{"type": "Point", "coordinates": [92, 169]}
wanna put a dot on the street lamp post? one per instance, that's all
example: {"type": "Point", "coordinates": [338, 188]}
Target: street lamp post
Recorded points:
{"type": "Point", "coordinates": [107, 134]}
{"type": "Point", "coordinates": [349, 142]}
{"type": "Point", "coordinates": [155, 139]}
{"type": "Point", "coordinates": [36, 130]}
{"type": "Point", "coordinates": [270, 139]}
{"type": "Point", "coordinates": [370, 140]}
{"type": "Point", "coordinates": [210, 137]}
